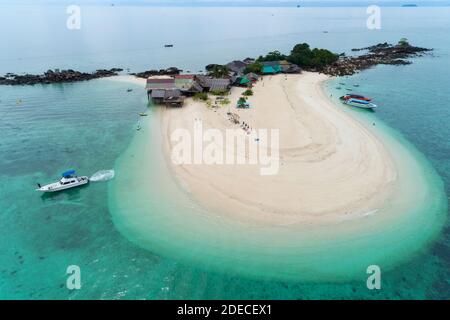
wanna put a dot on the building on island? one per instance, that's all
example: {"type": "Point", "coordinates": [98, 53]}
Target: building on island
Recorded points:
{"type": "Point", "coordinates": [274, 67]}
{"type": "Point", "coordinates": [171, 90]}
{"type": "Point", "coordinates": [271, 67]}
{"type": "Point", "coordinates": [188, 84]}
{"type": "Point", "coordinates": [246, 80]}
{"type": "Point", "coordinates": [249, 60]}
{"type": "Point", "coordinates": [214, 84]}
{"type": "Point", "coordinates": [287, 67]}
{"type": "Point", "coordinates": [163, 90]}
{"type": "Point", "coordinates": [237, 67]}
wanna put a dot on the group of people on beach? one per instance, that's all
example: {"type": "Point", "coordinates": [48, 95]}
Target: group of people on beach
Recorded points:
{"type": "Point", "coordinates": [246, 127]}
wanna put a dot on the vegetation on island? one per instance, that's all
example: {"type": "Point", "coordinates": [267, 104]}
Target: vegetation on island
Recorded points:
{"type": "Point", "coordinates": [201, 96]}
{"type": "Point", "coordinates": [315, 59]}
{"type": "Point", "coordinates": [254, 67]}
{"type": "Point", "coordinates": [403, 42]}
{"type": "Point", "coordinates": [272, 56]}
{"type": "Point", "coordinates": [248, 92]}
{"type": "Point", "coordinates": [219, 92]}
{"type": "Point", "coordinates": [218, 71]}
{"type": "Point", "coordinates": [242, 100]}
{"type": "Point", "coordinates": [301, 55]}
{"type": "Point", "coordinates": [224, 101]}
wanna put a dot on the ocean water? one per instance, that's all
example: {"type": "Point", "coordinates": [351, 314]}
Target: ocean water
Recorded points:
{"type": "Point", "coordinates": [91, 126]}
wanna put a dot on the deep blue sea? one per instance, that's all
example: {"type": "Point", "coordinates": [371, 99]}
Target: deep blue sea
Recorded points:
{"type": "Point", "coordinates": [89, 125]}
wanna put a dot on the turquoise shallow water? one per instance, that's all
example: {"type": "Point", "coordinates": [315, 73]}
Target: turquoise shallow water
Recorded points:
{"type": "Point", "coordinates": [89, 126]}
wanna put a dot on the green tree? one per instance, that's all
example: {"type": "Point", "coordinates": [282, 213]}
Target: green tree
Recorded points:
{"type": "Point", "coordinates": [255, 67]}
{"type": "Point", "coordinates": [201, 96]}
{"type": "Point", "coordinates": [272, 56]}
{"type": "Point", "coordinates": [403, 42]}
{"type": "Point", "coordinates": [322, 58]}
{"type": "Point", "coordinates": [242, 100]}
{"type": "Point", "coordinates": [219, 71]}
{"type": "Point", "coordinates": [248, 92]}
{"type": "Point", "coordinates": [303, 56]}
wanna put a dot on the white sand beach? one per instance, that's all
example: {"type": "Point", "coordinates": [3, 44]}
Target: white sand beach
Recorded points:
{"type": "Point", "coordinates": [128, 79]}
{"type": "Point", "coordinates": [332, 168]}
{"type": "Point", "coordinates": [347, 194]}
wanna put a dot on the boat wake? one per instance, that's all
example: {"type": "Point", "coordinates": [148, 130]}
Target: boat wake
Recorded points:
{"type": "Point", "coordinates": [102, 175]}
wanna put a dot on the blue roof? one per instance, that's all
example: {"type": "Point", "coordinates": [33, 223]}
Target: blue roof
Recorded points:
{"type": "Point", "coordinates": [68, 173]}
{"type": "Point", "coordinates": [271, 69]}
{"type": "Point", "coordinates": [268, 69]}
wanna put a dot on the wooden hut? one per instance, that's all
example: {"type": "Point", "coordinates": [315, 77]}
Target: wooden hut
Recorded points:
{"type": "Point", "coordinates": [214, 84]}
{"type": "Point", "coordinates": [163, 90]}
{"type": "Point", "coordinates": [237, 67]}
{"type": "Point", "coordinates": [188, 84]}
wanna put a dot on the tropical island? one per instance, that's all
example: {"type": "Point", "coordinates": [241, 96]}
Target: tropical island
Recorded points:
{"type": "Point", "coordinates": [333, 178]}
{"type": "Point", "coordinates": [302, 57]}
{"type": "Point", "coordinates": [282, 91]}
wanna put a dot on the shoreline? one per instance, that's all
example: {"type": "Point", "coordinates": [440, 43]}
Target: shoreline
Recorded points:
{"type": "Point", "coordinates": [171, 222]}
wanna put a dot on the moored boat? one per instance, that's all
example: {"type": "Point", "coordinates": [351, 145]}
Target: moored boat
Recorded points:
{"type": "Point", "coordinates": [364, 104]}
{"type": "Point", "coordinates": [355, 96]}
{"type": "Point", "coordinates": [69, 180]}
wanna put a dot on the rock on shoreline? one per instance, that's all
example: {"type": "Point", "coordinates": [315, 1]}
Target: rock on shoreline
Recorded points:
{"type": "Point", "coordinates": [163, 72]}
{"type": "Point", "coordinates": [382, 53]}
{"type": "Point", "coordinates": [56, 76]}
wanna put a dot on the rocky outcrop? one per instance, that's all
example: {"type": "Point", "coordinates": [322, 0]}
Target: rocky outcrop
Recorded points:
{"type": "Point", "coordinates": [382, 53]}
{"type": "Point", "coordinates": [56, 76]}
{"type": "Point", "coordinates": [163, 72]}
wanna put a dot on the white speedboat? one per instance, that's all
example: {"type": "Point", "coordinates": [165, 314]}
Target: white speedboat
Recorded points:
{"type": "Point", "coordinates": [69, 180]}
{"type": "Point", "coordinates": [358, 103]}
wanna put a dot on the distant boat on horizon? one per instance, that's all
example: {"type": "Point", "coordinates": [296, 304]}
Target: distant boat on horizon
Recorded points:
{"type": "Point", "coordinates": [409, 5]}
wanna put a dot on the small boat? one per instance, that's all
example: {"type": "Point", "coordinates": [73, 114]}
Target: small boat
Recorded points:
{"type": "Point", "coordinates": [355, 96]}
{"type": "Point", "coordinates": [356, 85]}
{"type": "Point", "coordinates": [138, 127]}
{"type": "Point", "coordinates": [69, 180]}
{"type": "Point", "coordinates": [168, 46]}
{"type": "Point", "coordinates": [360, 103]}
{"type": "Point", "coordinates": [143, 114]}
{"type": "Point", "coordinates": [129, 90]}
